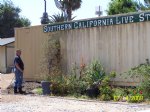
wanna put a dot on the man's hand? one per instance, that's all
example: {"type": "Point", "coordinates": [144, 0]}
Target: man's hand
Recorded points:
{"type": "Point", "coordinates": [17, 66]}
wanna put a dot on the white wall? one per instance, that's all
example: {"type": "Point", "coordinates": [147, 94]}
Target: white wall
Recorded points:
{"type": "Point", "coordinates": [2, 59]}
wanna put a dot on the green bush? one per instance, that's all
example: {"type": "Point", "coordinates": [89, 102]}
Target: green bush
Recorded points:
{"type": "Point", "coordinates": [106, 91]}
{"type": "Point", "coordinates": [143, 73]}
{"type": "Point", "coordinates": [68, 85]}
{"type": "Point", "coordinates": [76, 85]}
{"type": "Point", "coordinates": [94, 73]}
{"type": "Point", "coordinates": [105, 97]}
{"type": "Point", "coordinates": [59, 86]}
{"type": "Point", "coordinates": [118, 92]}
{"type": "Point", "coordinates": [145, 87]}
{"type": "Point", "coordinates": [135, 95]}
{"type": "Point", "coordinates": [92, 76]}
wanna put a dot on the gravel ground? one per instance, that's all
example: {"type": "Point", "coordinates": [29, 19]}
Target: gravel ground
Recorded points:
{"type": "Point", "coordinates": [38, 103]}
{"type": "Point", "coordinates": [34, 103]}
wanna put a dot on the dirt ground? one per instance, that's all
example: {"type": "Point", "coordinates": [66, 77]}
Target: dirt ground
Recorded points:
{"type": "Point", "coordinates": [7, 82]}
{"type": "Point", "coordinates": [36, 103]}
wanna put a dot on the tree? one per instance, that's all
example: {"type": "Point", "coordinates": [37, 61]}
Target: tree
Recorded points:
{"type": "Point", "coordinates": [71, 5]}
{"type": "Point", "coordinates": [125, 6]}
{"type": "Point", "coordinates": [10, 18]}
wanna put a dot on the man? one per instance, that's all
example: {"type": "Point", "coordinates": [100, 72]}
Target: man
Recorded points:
{"type": "Point", "coordinates": [18, 69]}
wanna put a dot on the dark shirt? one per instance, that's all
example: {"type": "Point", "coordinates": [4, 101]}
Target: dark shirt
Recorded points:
{"type": "Point", "coordinates": [19, 61]}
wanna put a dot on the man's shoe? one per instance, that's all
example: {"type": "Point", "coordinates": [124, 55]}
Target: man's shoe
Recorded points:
{"type": "Point", "coordinates": [20, 91]}
{"type": "Point", "coordinates": [15, 90]}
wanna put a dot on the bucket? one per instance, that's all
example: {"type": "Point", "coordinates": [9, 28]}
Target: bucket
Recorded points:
{"type": "Point", "coordinates": [46, 87]}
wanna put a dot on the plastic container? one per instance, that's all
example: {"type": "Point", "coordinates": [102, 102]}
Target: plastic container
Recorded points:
{"type": "Point", "coordinates": [46, 87]}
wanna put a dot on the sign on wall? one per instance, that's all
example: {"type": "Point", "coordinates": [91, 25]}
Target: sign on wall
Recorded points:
{"type": "Point", "coordinates": [96, 22]}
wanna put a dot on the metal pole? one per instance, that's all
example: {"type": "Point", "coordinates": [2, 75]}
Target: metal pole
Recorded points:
{"type": "Point", "coordinates": [45, 19]}
{"type": "Point", "coordinates": [65, 12]}
{"type": "Point", "coordinates": [45, 5]}
{"type": "Point", "coordinates": [99, 11]}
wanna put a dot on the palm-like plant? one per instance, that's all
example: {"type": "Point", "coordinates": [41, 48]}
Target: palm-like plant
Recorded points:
{"type": "Point", "coordinates": [71, 5]}
{"type": "Point", "coordinates": [58, 18]}
{"type": "Point", "coordinates": [147, 1]}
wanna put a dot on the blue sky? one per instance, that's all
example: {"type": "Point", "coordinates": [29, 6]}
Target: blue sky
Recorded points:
{"type": "Point", "coordinates": [33, 9]}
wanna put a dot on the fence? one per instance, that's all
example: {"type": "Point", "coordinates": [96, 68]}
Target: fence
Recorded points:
{"type": "Point", "coordinates": [119, 47]}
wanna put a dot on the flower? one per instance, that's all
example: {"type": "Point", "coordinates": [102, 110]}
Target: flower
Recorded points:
{"type": "Point", "coordinates": [82, 65]}
{"type": "Point", "coordinates": [141, 92]}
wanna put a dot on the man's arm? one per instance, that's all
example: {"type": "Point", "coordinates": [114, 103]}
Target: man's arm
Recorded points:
{"type": "Point", "coordinates": [17, 66]}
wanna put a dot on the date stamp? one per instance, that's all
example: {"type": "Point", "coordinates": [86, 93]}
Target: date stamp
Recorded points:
{"type": "Point", "coordinates": [133, 96]}
{"type": "Point", "coordinates": [129, 98]}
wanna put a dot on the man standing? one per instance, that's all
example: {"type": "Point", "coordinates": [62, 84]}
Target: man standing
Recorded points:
{"type": "Point", "coordinates": [18, 69]}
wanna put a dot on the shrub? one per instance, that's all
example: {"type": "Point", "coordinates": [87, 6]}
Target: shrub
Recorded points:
{"type": "Point", "coordinates": [145, 87]}
{"type": "Point", "coordinates": [135, 95]}
{"type": "Point", "coordinates": [105, 97]}
{"type": "Point", "coordinates": [92, 79]}
{"type": "Point", "coordinates": [68, 85]}
{"type": "Point", "coordinates": [106, 91]}
{"type": "Point", "coordinates": [59, 86]}
{"type": "Point", "coordinates": [94, 73]}
{"type": "Point", "coordinates": [143, 73]}
{"type": "Point", "coordinates": [119, 92]}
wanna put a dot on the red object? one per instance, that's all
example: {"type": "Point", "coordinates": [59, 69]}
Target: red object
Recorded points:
{"type": "Point", "coordinates": [141, 92]}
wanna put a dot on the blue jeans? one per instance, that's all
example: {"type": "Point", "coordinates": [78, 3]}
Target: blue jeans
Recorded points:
{"type": "Point", "coordinates": [18, 78]}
